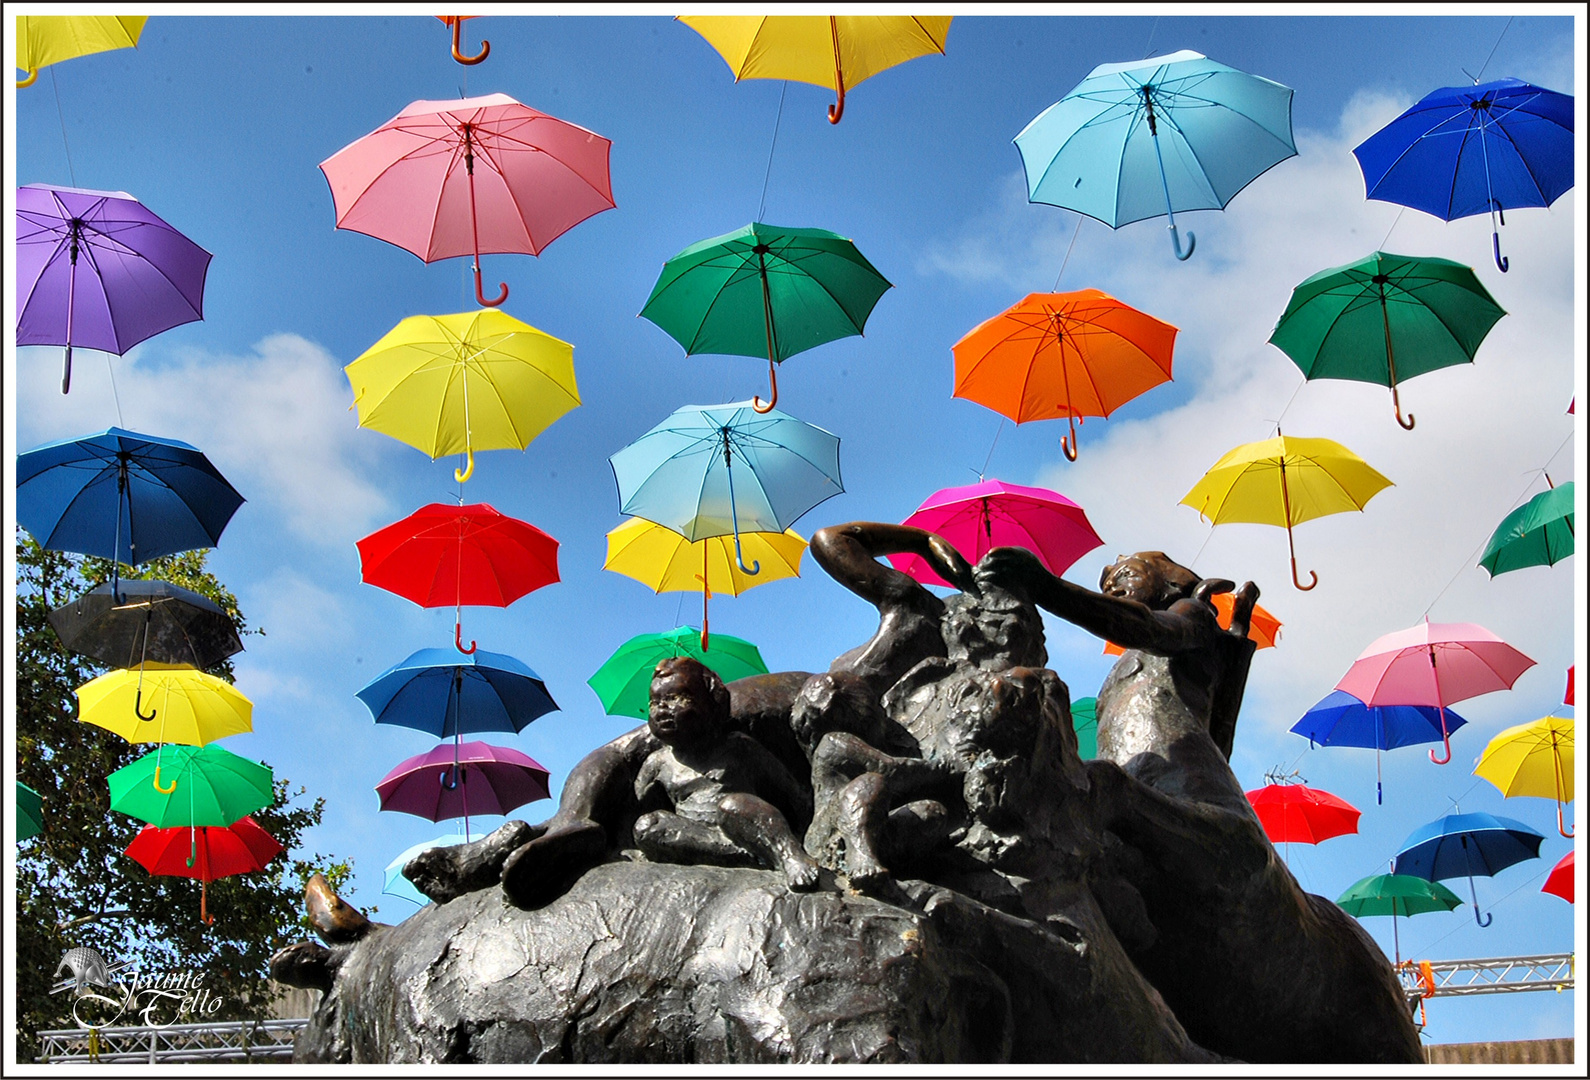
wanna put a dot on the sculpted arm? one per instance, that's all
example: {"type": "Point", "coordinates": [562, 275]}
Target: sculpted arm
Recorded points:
{"type": "Point", "coordinates": [850, 553]}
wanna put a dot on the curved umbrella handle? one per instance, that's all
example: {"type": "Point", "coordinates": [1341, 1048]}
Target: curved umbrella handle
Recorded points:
{"type": "Point", "coordinates": [1446, 741]}
{"type": "Point", "coordinates": [451, 778]}
{"type": "Point", "coordinates": [480, 295]}
{"type": "Point", "coordinates": [1313, 578]}
{"type": "Point", "coordinates": [772, 378]}
{"type": "Point", "coordinates": [1564, 831]}
{"type": "Point", "coordinates": [750, 571]}
{"type": "Point", "coordinates": [1496, 253]}
{"type": "Point", "coordinates": [1069, 449]}
{"type": "Point", "coordinates": [485, 46]}
{"type": "Point", "coordinates": [165, 790]}
{"type": "Point", "coordinates": [469, 466]}
{"type": "Point", "coordinates": [458, 639]}
{"type": "Point", "coordinates": [1396, 403]}
{"type": "Point", "coordinates": [1483, 920]}
{"type": "Point", "coordinates": [1175, 243]}
{"type": "Point", "coordinates": [138, 707]}
{"type": "Point", "coordinates": [837, 109]}
{"type": "Point", "coordinates": [33, 77]}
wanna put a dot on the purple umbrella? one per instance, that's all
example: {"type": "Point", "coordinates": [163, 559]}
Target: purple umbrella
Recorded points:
{"type": "Point", "coordinates": [463, 778]}
{"type": "Point", "coordinates": [97, 269]}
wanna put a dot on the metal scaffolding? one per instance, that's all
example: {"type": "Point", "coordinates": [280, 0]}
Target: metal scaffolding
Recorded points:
{"type": "Point", "coordinates": [235, 1040]}
{"type": "Point", "coordinates": [1500, 975]}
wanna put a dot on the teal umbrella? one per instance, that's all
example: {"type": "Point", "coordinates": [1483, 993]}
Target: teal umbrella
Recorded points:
{"type": "Point", "coordinates": [1397, 894]}
{"type": "Point", "coordinates": [1539, 533]}
{"type": "Point", "coordinates": [1150, 137]}
{"type": "Point", "coordinates": [395, 884]}
{"type": "Point", "coordinates": [213, 787]}
{"type": "Point", "coordinates": [623, 682]}
{"type": "Point", "coordinates": [1085, 718]}
{"type": "Point", "coordinates": [30, 812]}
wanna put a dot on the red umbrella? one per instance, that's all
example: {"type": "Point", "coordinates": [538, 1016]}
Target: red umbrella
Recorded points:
{"type": "Point", "coordinates": [1434, 664]}
{"type": "Point", "coordinates": [1294, 814]}
{"type": "Point", "coordinates": [1567, 695]}
{"type": "Point", "coordinates": [1560, 881]}
{"type": "Point", "coordinates": [448, 556]}
{"type": "Point", "coordinates": [465, 778]}
{"type": "Point", "coordinates": [204, 852]}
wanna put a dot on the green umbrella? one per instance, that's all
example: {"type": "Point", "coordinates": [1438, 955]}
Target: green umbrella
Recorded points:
{"type": "Point", "coordinates": [1385, 319]}
{"type": "Point", "coordinates": [1539, 533]}
{"type": "Point", "coordinates": [214, 787]}
{"type": "Point", "coordinates": [765, 291]}
{"type": "Point", "coordinates": [30, 812]}
{"type": "Point", "coordinates": [1396, 894]}
{"type": "Point", "coordinates": [1085, 718]}
{"type": "Point", "coordinates": [624, 681]}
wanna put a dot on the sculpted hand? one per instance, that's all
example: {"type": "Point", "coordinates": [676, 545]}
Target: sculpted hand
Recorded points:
{"type": "Point", "coordinates": [1242, 608]}
{"type": "Point", "coordinates": [1011, 566]}
{"type": "Point", "coordinates": [950, 565]}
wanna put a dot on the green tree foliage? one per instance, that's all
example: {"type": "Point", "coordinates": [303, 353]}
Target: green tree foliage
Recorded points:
{"type": "Point", "coordinates": [75, 887]}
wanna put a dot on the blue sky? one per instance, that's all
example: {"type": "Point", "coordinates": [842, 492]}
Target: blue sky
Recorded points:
{"type": "Point", "coordinates": [218, 124]}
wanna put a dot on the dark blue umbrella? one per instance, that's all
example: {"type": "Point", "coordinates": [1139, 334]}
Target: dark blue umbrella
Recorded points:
{"type": "Point", "coordinates": [1342, 720]}
{"type": "Point", "coordinates": [122, 496]}
{"type": "Point", "coordinates": [1467, 150]}
{"type": "Point", "coordinates": [448, 694]}
{"type": "Point", "coordinates": [1462, 845]}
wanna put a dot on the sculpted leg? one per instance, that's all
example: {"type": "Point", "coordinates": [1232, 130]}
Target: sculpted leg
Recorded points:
{"type": "Point", "coordinates": [664, 836]}
{"type": "Point", "coordinates": [757, 826]}
{"type": "Point", "coordinates": [445, 873]}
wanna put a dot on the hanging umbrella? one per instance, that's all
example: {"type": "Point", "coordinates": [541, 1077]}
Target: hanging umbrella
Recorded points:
{"type": "Point", "coordinates": [664, 561]}
{"type": "Point", "coordinates": [681, 473]}
{"type": "Point", "coordinates": [153, 620]}
{"type": "Point", "coordinates": [765, 291]}
{"type": "Point", "coordinates": [833, 51]}
{"type": "Point", "coordinates": [1434, 664]}
{"type": "Point", "coordinates": [1385, 319]}
{"type": "Point", "coordinates": [396, 884]}
{"type": "Point", "coordinates": [1294, 814]}
{"type": "Point", "coordinates": [122, 496]}
{"type": "Point", "coordinates": [448, 695]}
{"type": "Point", "coordinates": [1467, 150]}
{"type": "Point", "coordinates": [138, 276]}
{"type": "Point", "coordinates": [1263, 628]}
{"type": "Point", "coordinates": [1073, 354]}
{"type": "Point", "coordinates": [49, 39]}
{"type": "Point", "coordinates": [1085, 720]}
{"type": "Point", "coordinates": [1202, 130]}
{"type": "Point", "coordinates": [623, 682]}
{"type": "Point", "coordinates": [991, 514]}
{"type": "Point", "coordinates": [30, 812]}
{"type": "Point", "coordinates": [449, 384]}
{"type": "Point", "coordinates": [1342, 720]}
{"type": "Point", "coordinates": [1539, 533]}
{"type": "Point", "coordinates": [191, 708]}
{"type": "Point", "coordinates": [1567, 694]}
{"type": "Point", "coordinates": [1533, 759]}
{"type": "Point", "coordinates": [463, 779]}
{"type": "Point", "coordinates": [448, 556]}
{"type": "Point", "coordinates": [210, 786]}
{"type": "Point", "coordinates": [413, 181]}
{"type": "Point", "coordinates": [1285, 481]}
{"type": "Point", "coordinates": [1463, 845]}
{"type": "Point", "coordinates": [456, 24]}
{"type": "Point", "coordinates": [206, 853]}
{"type": "Point", "coordinates": [1560, 881]}
{"type": "Point", "coordinates": [1397, 894]}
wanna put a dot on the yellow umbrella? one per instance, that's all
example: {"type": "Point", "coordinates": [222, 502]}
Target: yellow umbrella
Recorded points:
{"type": "Point", "coordinates": [185, 706]}
{"type": "Point", "coordinates": [836, 51]}
{"type": "Point", "coordinates": [478, 380]}
{"type": "Point", "coordinates": [1285, 481]}
{"type": "Point", "coordinates": [49, 39]}
{"type": "Point", "coordinates": [1533, 759]}
{"type": "Point", "coordinates": [665, 561]}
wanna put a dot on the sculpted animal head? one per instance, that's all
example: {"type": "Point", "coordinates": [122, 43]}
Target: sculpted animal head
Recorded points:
{"type": "Point", "coordinates": [88, 968]}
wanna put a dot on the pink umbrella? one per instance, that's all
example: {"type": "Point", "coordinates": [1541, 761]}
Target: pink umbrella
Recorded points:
{"type": "Point", "coordinates": [996, 514]}
{"type": "Point", "coordinates": [413, 180]}
{"type": "Point", "coordinates": [463, 778]}
{"type": "Point", "coordinates": [1434, 664]}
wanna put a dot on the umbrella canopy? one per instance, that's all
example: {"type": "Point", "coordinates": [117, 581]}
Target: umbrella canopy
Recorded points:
{"type": "Point", "coordinates": [682, 474]}
{"type": "Point", "coordinates": [834, 51]}
{"type": "Point", "coordinates": [414, 180]}
{"type": "Point", "coordinates": [1463, 845]}
{"type": "Point", "coordinates": [210, 786]}
{"type": "Point", "coordinates": [186, 706]}
{"type": "Point", "coordinates": [49, 39]}
{"type": "Point", "coordinates": [1539, 533]}
{"type": "Point", "coordinates": [456, 781]}
{"type": "Point", "coordinates": [450, 384]}
{"type": "Point", "coordinates": [150, 620]}
{"type": "Point", "coordinates": [1342, 720]}
{"type": "Point", "coordinates": [444, 694]}
{"type": "Point", "coordinates": [1085, 720]}
{"type": "Point", "coordinates": [1397, 894]}
{"type": "Point", "coordinates": [1070, 354]}
{"type": "Point", "coordinates": [1466, 150]}
{"type": "Point", "coordinates": [1285, 481]}
{"type": "Point", "coordinates": [99, 270]}
{"type": "Point", "coordinates": [396, 884]}
{"type": "Point", "coordinates": [991, 514]}
{"type": "Point", "coordinates": [1294, 814]}
{"type": "Point", "coordinates": [205, 853]}
{"type": "Point", "coordinates": [765, 291]}
{"type": "Point", "coordinates": [1263, 628]}
{"type": "Point", "coordinates": [1533, 759]}
{"type": "Point", "coordinates": [30, 812]}
{"type": "Point", "coordinates": [1385, 319]}
{"type": "Point", "coordinates": [1560, 881]}
{"type": "Point", "coordinates": [448, 556]}
{"type": "Point", "coordinates": [1434, 664]}
{"type": "Point", "coordinates": [623, 682]}
{"type": "Point", "coordinates": [1149, 137]}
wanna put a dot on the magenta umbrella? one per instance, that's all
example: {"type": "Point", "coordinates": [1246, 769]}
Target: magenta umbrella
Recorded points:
{"type": "Point", "coordinates": [459, 779]}
{"type": "Point", "coordinates": [1434, 664]}
{"type": "Point", "coordinates": [994, 514]}
{"type": "Point", "coordinates": [98, 269]}
{"type": "Point", "coordinates": [448, 178]}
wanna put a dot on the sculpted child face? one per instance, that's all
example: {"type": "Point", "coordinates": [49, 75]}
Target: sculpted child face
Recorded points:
{"type": "Point", "coordinates": [682, 710]}
{"type": "Point", "coordinates": [1132, 579]}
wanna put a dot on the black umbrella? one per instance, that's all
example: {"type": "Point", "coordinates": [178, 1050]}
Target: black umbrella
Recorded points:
{"type": "Point", "coordinates": [154, 621]}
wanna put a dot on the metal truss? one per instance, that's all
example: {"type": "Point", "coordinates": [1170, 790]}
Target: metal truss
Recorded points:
{"type": "Point", "coordinates": [1499, 975]}
{"type": "Point", "coordinates": [235, 1040]}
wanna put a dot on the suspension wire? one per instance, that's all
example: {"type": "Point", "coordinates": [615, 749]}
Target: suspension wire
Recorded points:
{"type": "Point", "coordinates": [61, 116]}
{"type": "Point", "coordinates": [997, 431]}
{"type": "Point", "coordinates": [768, 175]}
{"type": "Point", "coordinates": [1072, 244]}
{"type": "Point", "coordinates": [1301, 383]}
{"type": "Point", "coordinates": [1464, 925]}
{"type": "Point", "coordinates": [115, 395]}
{"type": "Point", "coordinates": [1493, 50]}
{"type": "Point", "coordinates": [1150, 46]}
{"type": "Point", "coordinates": [1393, 228]}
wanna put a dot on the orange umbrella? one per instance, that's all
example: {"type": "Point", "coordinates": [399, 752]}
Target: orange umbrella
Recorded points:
{"type": "Point", "coordinates": [1070, 354]}
{"type": "Point", "coordinates": [457, 24]}
{"type": "Point", "coordinates": [1263, 628]}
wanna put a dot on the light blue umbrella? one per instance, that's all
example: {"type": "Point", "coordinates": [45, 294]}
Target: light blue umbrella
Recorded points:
{"type": "Point", "coordinates": [713, 470]}
{"type": "Point", "coordinates": [1202, 129]}
{"type": "Point", "coordinates": [398, 885]}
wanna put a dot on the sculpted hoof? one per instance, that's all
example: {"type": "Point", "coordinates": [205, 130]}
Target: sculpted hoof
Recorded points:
{"type": "Point", "coordinates": [446, 873]}
{"type": "Point", "coordinates": [540, 871]}
{"type": "Point", "coordinates": [305, 965]}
